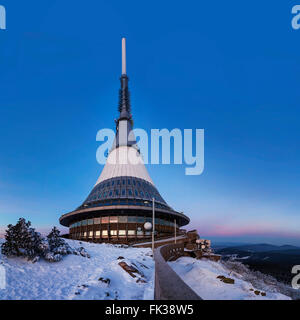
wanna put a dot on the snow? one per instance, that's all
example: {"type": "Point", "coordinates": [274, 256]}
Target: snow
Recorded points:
{"type": "Point", "coordinates": [77, 277]}
{"type": "Point", "coordinates": [201, 275]}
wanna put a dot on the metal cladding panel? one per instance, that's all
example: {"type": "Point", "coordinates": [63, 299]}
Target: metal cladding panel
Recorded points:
{"type": "Point", "coordinates": [124, 162]}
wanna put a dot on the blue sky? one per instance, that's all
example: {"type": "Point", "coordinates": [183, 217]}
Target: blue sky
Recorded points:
{"type": "Point", "coordinates": [227, 67]}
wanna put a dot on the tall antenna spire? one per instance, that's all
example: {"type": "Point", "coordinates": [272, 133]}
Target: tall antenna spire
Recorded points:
{"type": "Point", "coordinates": [123, 56]}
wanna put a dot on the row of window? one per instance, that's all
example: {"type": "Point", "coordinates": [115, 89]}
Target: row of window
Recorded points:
{"type": "Point", "coordinates": [111, 233]}
{"type": "Point", "coordinates": [133, 202]}
{"type": "Point", "coordinates": [121, 219]}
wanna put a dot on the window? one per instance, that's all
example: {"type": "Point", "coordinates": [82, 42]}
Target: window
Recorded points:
{"type": "Point", "coordinates": [104, 233]}
{"type": "Point", "coordinates": [131, 232]}
{"type": "Point", "coordinates": [139, 233]}
{"type": "Point", "coordinates": [84, 222]}
{"type": "Point", "coordinates": [128, 182]}
{"type": "Point", "coordinates": [112, 183]}
{"type": "Point", "coordinates": [104, 219]}
{"type": "Point", "coordinates": [130, 192]}
{"type": "Point", "coordinates": [118, 182]}
{"type": "Point", "coordinates": [113, 232]}
{"type": "Point", "coordinates": [122, 219]}
{"type": "Point", "coordinates": [110, 194]}
{"type": "Point", "coordinates": [123, 192]}
{"type": "Point", "coordinates": [134, 182]}
{"type": "Point", "coordinates": [85, 234]}
{"type": "Point", "coordinates": [116, 192]}
{"type": "Point", "coordinates": [123, 182]}
{"type": "Point", "coordinates": [97, 234]}
{"type": "Point", "coordinates": [113, 219]}
{"type": "Point", "coordinates": [90, 221]}
{"type": "Point", "coordinates": [140, 219]}
{"type": "Point", "coordinates": [136, 193]}
{"type": "Point", "coordinates": [97, 221]}
{"type": "Point", "coordinates": [91, 234]}
{"type": "Point", "coordinates": [122, 232]}
{"type": "Point", "coordinates": [131, 219]}
{"type": "Point", "coordinates": [142, 193]}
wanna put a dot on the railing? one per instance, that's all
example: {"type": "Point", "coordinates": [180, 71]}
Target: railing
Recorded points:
{"type": "Point", "coordinates": [168, 285]}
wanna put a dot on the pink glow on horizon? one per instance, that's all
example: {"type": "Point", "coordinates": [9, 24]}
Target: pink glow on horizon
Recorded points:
{"type": "Point", "coordinates": [249, 230]}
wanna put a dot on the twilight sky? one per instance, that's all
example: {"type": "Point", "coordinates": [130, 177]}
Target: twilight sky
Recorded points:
{"type": "Point", "coordinates": [227, 67]}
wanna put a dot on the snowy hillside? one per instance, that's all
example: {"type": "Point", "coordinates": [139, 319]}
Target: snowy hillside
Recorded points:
{"type": "Point", "coordinates": [77, 277]}
{"type": "Point", "coordinates": [202, 277]}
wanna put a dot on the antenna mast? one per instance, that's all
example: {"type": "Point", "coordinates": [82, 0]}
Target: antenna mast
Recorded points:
{"type": "Point", "coordinates": [123, 56]}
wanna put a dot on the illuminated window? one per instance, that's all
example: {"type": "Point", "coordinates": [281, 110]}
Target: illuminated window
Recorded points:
{"type": "Point", "coordinates": [97, 234]}
{"type": "Point", "coordinates": [122, 233]}
{"type": "Point", "coordinates": [85, 234]}
{"type": "Point", "coordinates": [104, 233]}
{"type": "Point", "coordinates": [91, 234]}
{"type": "Point", "coordinates": [113, 232]}
{"type": "Point", "coordinates": [131, 232]}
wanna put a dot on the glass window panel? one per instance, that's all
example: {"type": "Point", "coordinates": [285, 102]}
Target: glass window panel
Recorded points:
{"type": "Point", "coordinates": [91, 234]}
{"type": "Point", "coordinates": [131, 219]}
{"type": "Point", "coordinates": [84, 222]}
{"type": "Point", "coordinates": [136, 193]}
{"type": "Point", "coordinates": [90, 221]}
{"type": "Point", "coordinates": [130, 192]}
{"type": "Point", "coordinates": [97, 234]}
{"type": "Point", "coordinates": [140, 233]}
{"type": "Point", "coordinates": [97, 220]}
{"type": "Point", "coordinates": [113, 220]}
{"type": "Point", "coordinates": [123, 192]}
{"type": "Point", "coordinates": [140, 219]}
{"type": "Point", "coordinates": [104, 219]}
{"type": "Point", "coordinates": [85, 234]}
{"type": "Point", "coordinates": [131, 232]}
{"type": "Point", "coordinates": [122, 232]}
{"type": "Point", "coordinates": [104, 233]}
{"type": "Point", "coordinates": [113, 232]}
{"type": "Point", "coordinates": [122, 219]}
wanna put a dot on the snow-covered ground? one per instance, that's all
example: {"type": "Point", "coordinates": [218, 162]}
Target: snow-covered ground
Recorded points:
{"type": "Point", "coordinates": [77, 277]}
{"type": "Point", "coordinates": [201, 276]}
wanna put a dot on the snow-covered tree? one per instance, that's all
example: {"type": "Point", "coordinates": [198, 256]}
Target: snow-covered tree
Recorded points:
{"type": "Point", "coordinates": [22, 240]}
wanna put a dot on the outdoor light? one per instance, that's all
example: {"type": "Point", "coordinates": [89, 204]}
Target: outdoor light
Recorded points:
{"type": "Point", "coordinates": [148, 226]}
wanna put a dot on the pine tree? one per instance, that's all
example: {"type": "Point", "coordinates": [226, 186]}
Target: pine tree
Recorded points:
{"type": "Point", "coordinates": [22, 240]}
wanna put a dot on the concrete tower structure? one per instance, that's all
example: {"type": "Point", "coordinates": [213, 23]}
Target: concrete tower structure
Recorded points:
{"type": "Point", "coordinates": [120, 203]}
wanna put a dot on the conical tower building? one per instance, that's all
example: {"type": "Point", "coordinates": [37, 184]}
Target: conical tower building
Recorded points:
{"type": "Point", "coordinates": [123, 197]}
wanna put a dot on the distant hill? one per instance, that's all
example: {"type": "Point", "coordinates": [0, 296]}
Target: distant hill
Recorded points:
{"type": "Point", "coordinates": [270, 259]}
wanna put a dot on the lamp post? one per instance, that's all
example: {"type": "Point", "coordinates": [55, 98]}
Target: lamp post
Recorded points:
{"type": "Point", "coordinates": [175, 229]}
{"type": "Point", "coordinates": [153, 223]}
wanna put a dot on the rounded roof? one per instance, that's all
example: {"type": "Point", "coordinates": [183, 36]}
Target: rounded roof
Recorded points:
{"type": "Point", "coordinates": [124, 161]}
